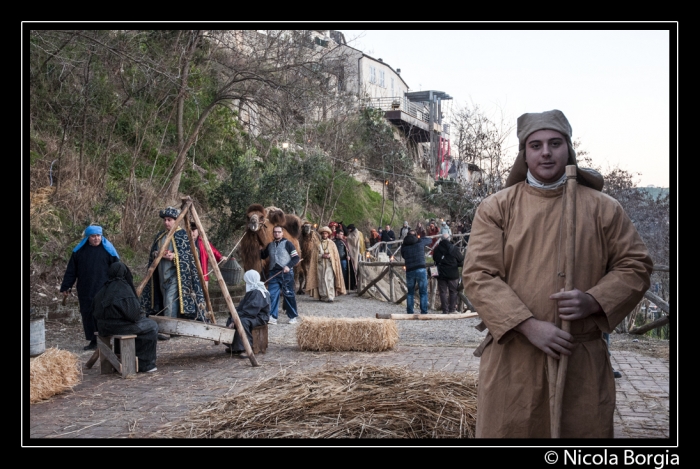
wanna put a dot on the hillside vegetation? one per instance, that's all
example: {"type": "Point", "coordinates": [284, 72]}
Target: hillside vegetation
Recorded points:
{"type": "Point", "coordinates": [125, 123]}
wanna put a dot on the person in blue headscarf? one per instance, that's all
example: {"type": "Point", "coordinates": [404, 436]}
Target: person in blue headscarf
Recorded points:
{"type": "Point", "coordinates": [88, 265]}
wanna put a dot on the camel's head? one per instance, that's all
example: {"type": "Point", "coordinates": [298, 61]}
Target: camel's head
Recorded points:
{"type": "Point", "coordinates": [255, 216]}
{"type": "Point", "coordinates": [306, 229]}
{"type": "Point", "coordinates": [275, 216]}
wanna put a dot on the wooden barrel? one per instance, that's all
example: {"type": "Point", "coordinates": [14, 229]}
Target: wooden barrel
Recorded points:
{"type": "Point", "coordinates": [37, 336]}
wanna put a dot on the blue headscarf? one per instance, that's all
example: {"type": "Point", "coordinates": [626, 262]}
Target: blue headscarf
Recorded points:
{"type": "Point", "coordinates": [96, 229]}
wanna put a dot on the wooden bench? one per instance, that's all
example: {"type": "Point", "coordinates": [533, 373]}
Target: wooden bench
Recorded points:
{"type": "Point", "coordinates": [125, 363]}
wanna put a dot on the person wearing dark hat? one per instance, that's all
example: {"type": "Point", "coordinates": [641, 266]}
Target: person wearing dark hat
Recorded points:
{"type": "Point", "coordinates": [174, 289]}
{"type": "Point", "coordinates": [117, 311]}
{"type": "Point", "coordinates": [513, 275]}
{"type": "Point", "coordinates": [88, 265]}
{"type": "Point", "coordinates": [202, 252]}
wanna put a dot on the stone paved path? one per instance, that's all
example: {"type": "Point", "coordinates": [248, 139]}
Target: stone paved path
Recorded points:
{"type": "Point", "coordinates": [194, 371]}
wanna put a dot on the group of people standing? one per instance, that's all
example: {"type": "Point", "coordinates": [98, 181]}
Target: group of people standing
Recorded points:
{"type": "Point", "coordinates": [429, 234]}
{"type": "Point", "coordinates": [334, 260]}
{"type": "Point", "coordinates": [108, 300]}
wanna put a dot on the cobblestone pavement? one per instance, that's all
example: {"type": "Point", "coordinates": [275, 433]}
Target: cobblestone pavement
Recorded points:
{"type": "Point", "coordinates": [194, 371]}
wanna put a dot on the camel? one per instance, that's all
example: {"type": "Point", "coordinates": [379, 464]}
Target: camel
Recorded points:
{"type": "Point", "coordinates": [259, 224]}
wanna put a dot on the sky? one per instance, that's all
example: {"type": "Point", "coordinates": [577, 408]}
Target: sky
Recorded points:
{"type": "Point", "coordinates": [612, 85]}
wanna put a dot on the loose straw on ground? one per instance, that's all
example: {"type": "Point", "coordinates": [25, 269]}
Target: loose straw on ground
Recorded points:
{"type": "Point", "coordinates": [52, 372]}
{"type": "Point", "coordinates": [346, 334]}
{"type": "Point", "coordinates": [355, 401]}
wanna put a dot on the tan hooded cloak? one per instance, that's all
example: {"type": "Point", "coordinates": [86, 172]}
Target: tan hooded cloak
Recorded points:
{"type": "Point", "coordinates": [335, 265]}
{"type": "Point", "coordinates": [516, 251]}
{"type": "Point", "coordinates": [356, 247]}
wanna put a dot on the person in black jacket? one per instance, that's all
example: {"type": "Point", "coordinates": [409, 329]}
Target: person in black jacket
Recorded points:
{"type": "Point", "coordinates": [342, 245]}
{"type": "Point", "coordinates": [447, 259]}
{"type": "Point", "coordinates": [88, 265]}
{"type": "Point", "coordinates": [387, 236]}
{"type": "Point", "coordinates": [253, 311]}
{"type": "Point", "coordinates": [117, 310]}
{"type": "Point", "coordinates": [414, 255]}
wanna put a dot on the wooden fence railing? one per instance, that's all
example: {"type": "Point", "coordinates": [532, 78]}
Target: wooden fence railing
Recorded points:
{"type": "Point", "coordinates": [662, 320]}
{"type": "Point", "coordinates": [395, 270]}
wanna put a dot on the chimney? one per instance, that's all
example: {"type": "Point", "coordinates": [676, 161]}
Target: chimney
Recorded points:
{"type": "Point", "coordinates": [398, 71]}
{"type": "Point", "coordinates": [380, 60]}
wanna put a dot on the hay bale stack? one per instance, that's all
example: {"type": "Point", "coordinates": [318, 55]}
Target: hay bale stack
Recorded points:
{"type": "Point", "coordinates": [346, 334]}
{"type": "Point", "coordinates": [355, 401]}
{"type": "Point", "coordinates": [52, 372]}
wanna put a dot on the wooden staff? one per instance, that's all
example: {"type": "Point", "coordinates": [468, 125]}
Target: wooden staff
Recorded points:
{"type": "Point", "coordinates": [426, 317]}
{"type": "Point", "coordinates": [281, 271]}
{"type": "Point", "coordinates": [200, 272]}
{"type": "Point", "coordinates": [224, 289]}
{"type": "Point", "coordinates": [568, 285]}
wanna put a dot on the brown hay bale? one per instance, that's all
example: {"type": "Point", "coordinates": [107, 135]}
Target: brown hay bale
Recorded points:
{"type": "Point", "coordinates": [346, 334]}
{"type": "Point", "coordinates": [356, 401]}
{"type": "Point", "coordinates": [52, 372]}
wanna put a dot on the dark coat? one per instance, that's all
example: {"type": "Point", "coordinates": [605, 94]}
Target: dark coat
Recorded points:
{"type": "Point", "coordinates": [253, 311]}
{"type": "Point", "coordinates": [388, 235]}
{"type": "Point", "coordinates": [190, 293]}
{"type": "Point", "coordinates": [448, 259]}
{"type": "Point", "coordinates": [413, 253]}
{"type": "Point", "coordinates": [88, 265]}
{"type": "Point", "coordinates": [117, 311]}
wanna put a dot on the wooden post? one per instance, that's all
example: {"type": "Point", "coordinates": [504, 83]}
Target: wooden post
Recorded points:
{"type": "Point", "coordinates": [198, 263]}
{"type": "Point", "coordinates": [568, 285]}
{"type": "Point", "coordinates": [433, 290]}
{"type": "Point", "coordinates": [359, 276]}
{"type": "Point", "coordinates": [392, 296]}
{"type": "Point", "coordinates": [224, 291]}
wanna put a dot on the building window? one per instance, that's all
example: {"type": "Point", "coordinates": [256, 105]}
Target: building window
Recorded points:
{"type": "Point", "coordinates": [392, 87]}
{"type": "Point", "coordinates": [381, 78]}
{"type": "Point", "coordinates": [372, 75]}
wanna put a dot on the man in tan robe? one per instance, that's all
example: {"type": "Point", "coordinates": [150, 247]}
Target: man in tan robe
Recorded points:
{"type": "Point", "coordinates": [513, 274]}
{"type": "Point", "coordinates": [356, 248]}
{"type": "Point", "coordinates": [330, 273]}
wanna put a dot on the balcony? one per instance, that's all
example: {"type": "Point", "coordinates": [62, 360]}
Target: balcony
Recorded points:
{"type": "Point", "coordinates": [411, 117]}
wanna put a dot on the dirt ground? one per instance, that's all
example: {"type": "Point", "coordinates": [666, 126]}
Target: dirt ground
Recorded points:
{"type": "Point", "coordinates": [648, 346]}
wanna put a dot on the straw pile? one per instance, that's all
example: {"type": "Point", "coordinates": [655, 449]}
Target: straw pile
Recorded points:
{"type": "Point", "coordinates": [351, 402]}
{"type": "Point", "coordinates": [346, 334]}
{"type": "Point", "coordinates": [52, 372]}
